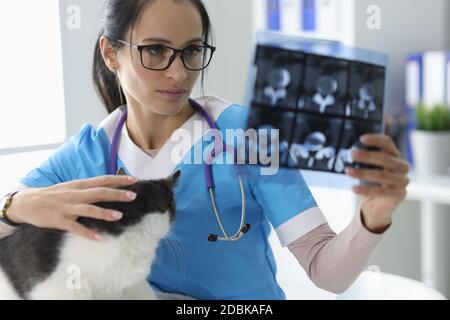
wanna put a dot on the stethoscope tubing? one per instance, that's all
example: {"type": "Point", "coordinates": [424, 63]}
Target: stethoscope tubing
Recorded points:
{"type": "Point", "coordinates": [209, 178]}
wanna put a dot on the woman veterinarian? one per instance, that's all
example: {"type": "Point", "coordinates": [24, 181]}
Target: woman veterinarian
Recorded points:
{"type": "Point", "coordinates": [147, 60]}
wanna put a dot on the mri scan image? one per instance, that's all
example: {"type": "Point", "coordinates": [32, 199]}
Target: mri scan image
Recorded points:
{"type": "Point", "coordinates": [278, 80]}
{"type": "Point", "coordinates": [350, 141]}
{"type": "Point", "coordinates": [366, 92]}
{"type": "Point", "coordinates": [314, 143]}
{"type": "Point", "coordinates": [325, 86]}
{"type": "Point", "coordinates": [278, 77]}
{"type": "Point", "coordinates": [271, 134]}
{"type": "Point", "coordinates": [321, 105]}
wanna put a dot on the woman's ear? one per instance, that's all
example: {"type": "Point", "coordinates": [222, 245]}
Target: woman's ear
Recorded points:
{"type": "Point", "coordinates": [108, 54]}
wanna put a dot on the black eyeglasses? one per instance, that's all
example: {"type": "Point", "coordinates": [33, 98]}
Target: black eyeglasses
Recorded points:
{"type": "Point", "coordinates": [158, 57]}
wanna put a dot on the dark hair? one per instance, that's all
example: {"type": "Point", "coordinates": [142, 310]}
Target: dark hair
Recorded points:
{"type": "Point", "coordinates": [119, 17]}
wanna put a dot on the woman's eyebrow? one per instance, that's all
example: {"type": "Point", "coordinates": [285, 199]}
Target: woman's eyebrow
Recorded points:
{"type": "Point", "coordinates": [161, 40]}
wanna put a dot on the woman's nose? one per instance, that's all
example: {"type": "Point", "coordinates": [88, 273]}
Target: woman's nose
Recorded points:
{"type": "Point", "coordinates": [177, 71]}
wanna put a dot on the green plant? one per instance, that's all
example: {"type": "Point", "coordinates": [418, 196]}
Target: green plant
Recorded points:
{"type": "Point", "coordinates": [436, 118]}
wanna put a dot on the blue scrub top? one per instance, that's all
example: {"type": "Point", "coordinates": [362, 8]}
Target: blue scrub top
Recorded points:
{"type": "Point", "coordinates": [187, 263]}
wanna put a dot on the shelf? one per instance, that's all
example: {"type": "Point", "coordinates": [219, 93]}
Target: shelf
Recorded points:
{"type": "Point", "coordinates": [434, 188]}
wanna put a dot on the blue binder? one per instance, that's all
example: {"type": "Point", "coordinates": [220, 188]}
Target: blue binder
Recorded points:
{"type": "Point", "coordinates": [309, 15]}
{"type": "Point", "coordinates": [273, 15]}
{"type": "Point", "coordinates": [415, 61]}
{"type": "Point", "coordinates": [447, 80]}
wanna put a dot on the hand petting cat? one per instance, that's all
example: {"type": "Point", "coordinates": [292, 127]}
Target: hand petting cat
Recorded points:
{"type": "Point", "coordinates": [59, 206]}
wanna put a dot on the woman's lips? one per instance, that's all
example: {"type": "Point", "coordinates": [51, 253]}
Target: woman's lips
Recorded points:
{"type": "Point", "coordinates": [173, 95]}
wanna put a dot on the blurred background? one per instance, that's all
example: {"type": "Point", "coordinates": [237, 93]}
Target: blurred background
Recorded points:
{"type": "Point", "coordinates": [47, 94]}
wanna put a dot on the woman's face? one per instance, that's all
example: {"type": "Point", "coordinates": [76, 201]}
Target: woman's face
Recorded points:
{"type": "Point", "coordinates": [174, 24]}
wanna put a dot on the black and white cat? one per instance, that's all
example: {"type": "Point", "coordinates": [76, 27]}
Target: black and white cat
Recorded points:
{"type": "Point", "coordinates": [47, 264]}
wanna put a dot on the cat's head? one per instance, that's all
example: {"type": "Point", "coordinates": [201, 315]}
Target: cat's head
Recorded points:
{"type": "Point", "coordinates": [155, 201]}
{"type": "Point", "coordinates": [156, 196]}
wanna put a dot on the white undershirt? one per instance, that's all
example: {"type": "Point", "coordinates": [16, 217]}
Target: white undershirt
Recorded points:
{"type": "Point", "coordinates": [152, 152]}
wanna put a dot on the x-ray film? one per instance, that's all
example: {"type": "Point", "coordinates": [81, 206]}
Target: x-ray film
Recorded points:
{"type": "Point", "coordinates": [321, 96]}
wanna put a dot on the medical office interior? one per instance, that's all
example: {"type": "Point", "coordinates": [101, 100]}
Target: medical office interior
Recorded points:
{"type": "Point", "coordinates": [44, 103]}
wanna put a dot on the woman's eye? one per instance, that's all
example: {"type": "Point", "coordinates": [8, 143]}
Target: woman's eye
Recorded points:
{"type": "Point", "coordinates": [193, 51]}
{"type": "Point", "coordinates": [155, 50]}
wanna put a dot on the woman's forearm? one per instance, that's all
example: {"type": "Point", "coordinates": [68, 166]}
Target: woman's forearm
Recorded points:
{"type": "Point", "coordinates": [333, 262]}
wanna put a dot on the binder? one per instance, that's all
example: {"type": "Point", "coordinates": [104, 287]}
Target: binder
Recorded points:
{"type": "Point", "coordinates": [434, 75]}
{"type": "Point", "coordinates": [414, 80]}
{"type": "Point", "coordinates": [291, 19]}
{"type": "Point", "coordinates": [414, 95]}
{"type": "Point", "coordinates": [273, 15]}
{"type": "Point", "coordinates": [447, 80]}
{"type": "Point", "coordinates": [327, 12]}
{"type": "Point", "coordinates": [294, 16]}
{"type": "Point", "coordinates": [309, 15]}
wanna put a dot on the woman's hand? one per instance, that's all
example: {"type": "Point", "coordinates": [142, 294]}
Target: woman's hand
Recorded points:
{"type": "Point", "coordinates": [379, 202]}
{"type": "Point", "coordinates": [59, 206]}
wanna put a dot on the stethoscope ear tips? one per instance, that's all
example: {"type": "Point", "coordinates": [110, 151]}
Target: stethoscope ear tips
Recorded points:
{"type": "Point", "coordinates": [246, 228]}
{"type": "Point", "coordinates": [212, 238]}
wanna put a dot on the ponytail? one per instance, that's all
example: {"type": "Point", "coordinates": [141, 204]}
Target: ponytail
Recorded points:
{"type": "Point", "coordinates": [106, 82]}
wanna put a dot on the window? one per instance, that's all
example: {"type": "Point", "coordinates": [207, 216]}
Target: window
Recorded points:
{"type": "Point", "coordinates": [32, 108]}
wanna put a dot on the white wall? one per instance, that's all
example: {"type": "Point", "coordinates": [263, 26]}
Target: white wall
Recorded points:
{"type": "Point", "coordinates": [82, 104]}
{"type": "Point", "coordinates": [232, 22]}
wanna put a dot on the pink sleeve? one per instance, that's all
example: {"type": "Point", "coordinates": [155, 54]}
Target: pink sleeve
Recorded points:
{"type": "Point", "coordinates": [333, 262]}
{"type": "Point", "coordinates": [5, 230]}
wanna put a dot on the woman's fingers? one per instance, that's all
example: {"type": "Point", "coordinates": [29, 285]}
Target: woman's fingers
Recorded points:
{"type": "Point", "coordinates": [384, 142]}
{"type": "Point", "coordinates": [60, 219]}
{"type": "Point", "coordinates": [95, 195]}
{"type": "Point", "coordinates": [78, 229]}
{"type": "Point", "coordinates": [94, 212]}
{"type": "Point", "coordinates": [59, 206]}
{"type": "Point", "coordinates": [380, 176]}
{"type": "Point", "coordinates": [67, 221]}
{"type": "Point", "coordinates": [105, 195]}
{"type": "Point", "coordinates": [102, 181]}
{"type": "Point", "coordinates": [379, 191]}
{"type": "Point", "coordinates": [380, 159]}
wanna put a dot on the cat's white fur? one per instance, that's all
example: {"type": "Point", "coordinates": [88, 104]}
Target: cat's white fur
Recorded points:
{"type": "Point", "coordinates": [114, 268]}
{"type": "Point", "coordinates": [6, 290]}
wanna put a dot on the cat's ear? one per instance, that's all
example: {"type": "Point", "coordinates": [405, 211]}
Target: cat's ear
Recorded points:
{"type": "Point", "coordinates": [121, 172]}
{"type": "Point", "coordinates": [175, 177]}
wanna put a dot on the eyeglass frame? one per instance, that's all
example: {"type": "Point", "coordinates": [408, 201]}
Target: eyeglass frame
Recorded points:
{"type": "Point", "coordinates": [141, 48]}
